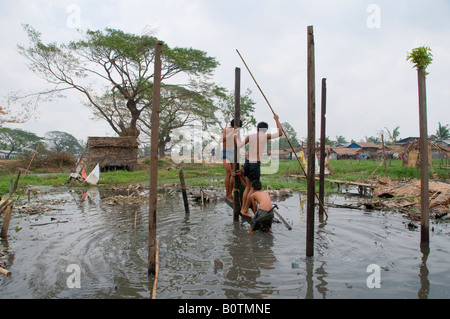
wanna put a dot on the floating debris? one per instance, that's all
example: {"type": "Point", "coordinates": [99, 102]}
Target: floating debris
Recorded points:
{"type": "Point", "coordinates": [41, 206]}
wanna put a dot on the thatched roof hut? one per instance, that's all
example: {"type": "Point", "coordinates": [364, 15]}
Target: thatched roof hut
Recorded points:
{"type": "Point", "coordinates": [346, 153]}
{"type": "Point", "coordinates": [413, 150]}
{"type": "Point", "coordinates": [114, 152]}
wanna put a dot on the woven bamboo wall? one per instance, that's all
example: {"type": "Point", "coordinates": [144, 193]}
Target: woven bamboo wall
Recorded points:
{"type": "Point", "coordinates": [113, 152]}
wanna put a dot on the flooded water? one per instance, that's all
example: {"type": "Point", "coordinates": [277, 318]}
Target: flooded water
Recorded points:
{"type": "Point", "coordinates": [207, 255]}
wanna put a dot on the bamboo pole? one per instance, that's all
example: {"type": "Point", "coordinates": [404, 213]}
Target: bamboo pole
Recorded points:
{"type": "Point", "coordinates": [237, 121]}
{"type": "Point", "coordinates": [374, 171]}
{"type": "Point", "coordinates": [154, 160]}
{"type": "Point", "coordinates": [282, 129]}
{"type": "Point", "coordinates": [311, 146]}
{"type": "Point", "coordinates": [424, 168]}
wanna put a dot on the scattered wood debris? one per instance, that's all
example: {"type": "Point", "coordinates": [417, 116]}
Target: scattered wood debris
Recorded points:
{"type": "Point", "coordinates": [38, 207]}
{"type": "Point", "coordinates": [404, 195]}
{"type": "Point", "coordinates": [130, 199]}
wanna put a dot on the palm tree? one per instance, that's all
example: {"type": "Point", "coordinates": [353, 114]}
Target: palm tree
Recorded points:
{"type": "Point", "coordinates": [394, 134]}
{"type": "Point", "coordinates": [341, 140]}
{"type": "Point", "coordinates": [442, 134]}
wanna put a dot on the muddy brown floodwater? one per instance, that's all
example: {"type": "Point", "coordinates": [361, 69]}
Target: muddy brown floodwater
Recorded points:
{"type": "Point", "coordinates": [83, 247]}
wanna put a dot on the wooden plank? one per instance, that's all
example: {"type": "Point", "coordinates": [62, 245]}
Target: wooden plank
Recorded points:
{"type": "Point", "coordinates": [339, 181]}
{"type": "Point", "coordinates": [231, 204]}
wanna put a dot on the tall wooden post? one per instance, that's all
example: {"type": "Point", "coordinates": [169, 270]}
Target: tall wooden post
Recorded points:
{"type": "Point", "coordinates": [311, 145]}
{"type": "Point", "coordinates": [237, 120]}
{"type": "Point", "coordinates": [424, 165]}
{"type": "Point", "coordinates": [152, 245]}
{"type": "Point", "coordinates": [322, 147]}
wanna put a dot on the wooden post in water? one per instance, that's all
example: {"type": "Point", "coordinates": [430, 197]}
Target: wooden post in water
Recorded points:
{"type": "Point", "coordinates": [6, 221]}
{"type": "Point", "coordinates": [424, 165]}
{"type": "Point", "coordinates": [154, 161]}
{"type": "Point", "coordinates": [322, 147]}
{"type": "Point", "coordinates": [311, 145]}
{"type": "Point", "coordinates": [183, 191]}
{"type": "Point", "coordinates": [237, 120]}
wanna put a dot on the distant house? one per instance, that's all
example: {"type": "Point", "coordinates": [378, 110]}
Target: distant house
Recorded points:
{"type": "Point", "coordinates": [413, 150]}
{"type": "Point", "coordinates": [345, 153]}
{"type": "Point", "coordinates": [407, 141]}
{"type": "Point", "coordinates": [114, 153]}
{"type": "Point", "coordinates": [369, 150]}
{"type": "Point", "coordinates": [5, 153]}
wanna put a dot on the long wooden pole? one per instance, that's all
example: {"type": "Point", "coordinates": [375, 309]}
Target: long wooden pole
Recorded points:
{"type": "Point", "coordinates": [311, 146]}
{"type": "Point", "coordinates": [322, 146]}
{"type": "Point", "coordinates": [237, 120]}
{"type": "Point", "coordinates": [282, 129]}
{"type": "Point", "coordinates": [424, 168]}
{"type": "Point", "coordinates": [154, 161]}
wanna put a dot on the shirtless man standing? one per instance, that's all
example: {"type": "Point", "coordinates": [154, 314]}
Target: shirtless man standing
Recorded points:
{"type": "Point", "coordinates": [228, 157]}
{"type": "Point", "coordinates": [252, 167]}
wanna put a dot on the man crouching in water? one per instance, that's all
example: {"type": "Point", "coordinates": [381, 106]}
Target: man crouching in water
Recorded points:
{"type": "Point", "coordinates": [261, 205]}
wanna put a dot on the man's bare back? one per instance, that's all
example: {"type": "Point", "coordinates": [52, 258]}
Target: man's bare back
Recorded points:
{"type": "Point", "coordinates": [262, 199]}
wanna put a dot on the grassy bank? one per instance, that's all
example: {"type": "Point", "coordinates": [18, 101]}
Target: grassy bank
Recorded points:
{"type": "Point", "coordinates": [213, 175]}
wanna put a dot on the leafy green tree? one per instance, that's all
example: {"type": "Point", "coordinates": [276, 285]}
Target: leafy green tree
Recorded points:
{"type": "Point", "coordinates": [62, 142]}
{"type": "Point", "coordinates": [220, 115]}
{"type": "Point", "coordinates": [121, 66]}
{"type": "Point", "coordinates": [421, 58]}
{"type": "Point", "coordinates": [180, 107]}
{"type": "Point", "coordinates": [292, 135]}
{"type": "Point", "coordinates": [17, 140]}
{"type": "Point", "coordinates": [225, 110]}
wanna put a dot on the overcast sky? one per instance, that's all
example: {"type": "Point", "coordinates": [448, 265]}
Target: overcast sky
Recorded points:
{"type": "Point", "coordinates": [361, 48]}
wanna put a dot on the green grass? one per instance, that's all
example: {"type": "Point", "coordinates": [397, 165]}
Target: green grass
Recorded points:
{"type": "Point", "coordinates": [351, 170]}
{"type": "Point", "coordinates": [31, 180]}
{"type": "Point", "coordinates": [204, 175]}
